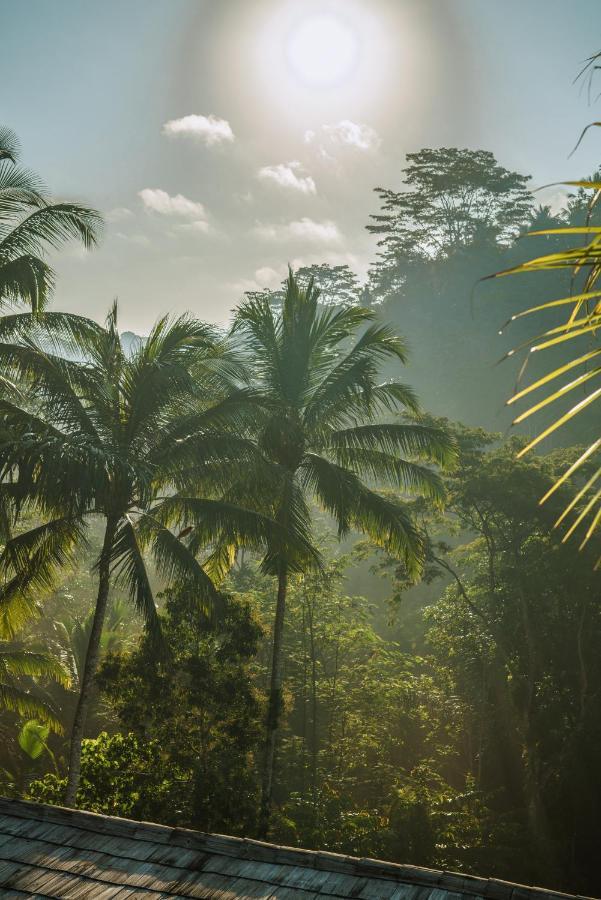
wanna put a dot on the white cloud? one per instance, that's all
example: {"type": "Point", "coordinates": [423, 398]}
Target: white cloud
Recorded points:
{"type": "Point", "coordinates": [118, 214]}
{"type": "Point", "coordinates": [265, 278]}
{"type": "Point", "coordinates": [345, 133]}
{"type": "Point", "coordinates": [159, 201]}
{"type": "Point", "coordinates": [200, 226]}
{"type": "Point", "coordinates": [289, 175]}
{"type": "Point", "coordinates": [268, 277]}
{"type": "Point", "coordinates": [304, 229]}
{"type": "Point", "coordinates": [208, 129]}
{"type": "Point", "coordinates": [554, 197]}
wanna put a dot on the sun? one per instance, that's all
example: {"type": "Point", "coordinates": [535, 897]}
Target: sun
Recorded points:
{"type": "Point", "coordinates": [322, 51]}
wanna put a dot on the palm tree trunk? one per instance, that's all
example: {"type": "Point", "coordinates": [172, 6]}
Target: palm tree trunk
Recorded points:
{"type": "Point", "coordinates": [91, 664]}
{"type": "Point", "coordinates": [275, 705]}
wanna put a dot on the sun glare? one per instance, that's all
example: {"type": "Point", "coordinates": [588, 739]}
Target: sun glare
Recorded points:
{"type": "Point", "coordinates": [322, 51]}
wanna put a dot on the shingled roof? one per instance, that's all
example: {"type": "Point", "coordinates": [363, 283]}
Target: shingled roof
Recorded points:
{"type": "Point", "coordinates": [48, 851]}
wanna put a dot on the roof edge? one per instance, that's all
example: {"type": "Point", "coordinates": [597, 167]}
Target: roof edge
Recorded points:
{"type": "Point", "coordinates": [249, 848]}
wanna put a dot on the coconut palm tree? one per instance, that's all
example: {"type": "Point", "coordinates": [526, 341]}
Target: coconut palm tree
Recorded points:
{"type": "Point", "coordinates": [30, 224]}
{"type": "Point", "coordinates": [317, 369]}
{"type": "Point", "coordinates": [116, 436]}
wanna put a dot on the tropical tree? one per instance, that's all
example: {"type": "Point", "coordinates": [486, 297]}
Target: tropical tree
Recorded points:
{"type": "Point", "coordinates": [317, 369]}
{"type": "Point", "coordinates": [31, 223]}
{"type": "Point", "coordinates": [453, 195]}
{"type": "Point", "coordinates": [114, 436]}
{"type": "Point", "coordinates": [338, 286]}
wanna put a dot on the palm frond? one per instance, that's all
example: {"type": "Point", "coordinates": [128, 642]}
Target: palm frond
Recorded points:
{"type": "Point", "coordinates": [19, 661]}
{"type": "Point", "coordinates": [129, 567]}
{"type": "Point", "coordinates": [583, 319]}
{"type": "Point", "coordinates": [9, 144]}
{"type": "Point", "coordinates": [51, 226]}
{"type": "Point", "coordinates": [24, 704]}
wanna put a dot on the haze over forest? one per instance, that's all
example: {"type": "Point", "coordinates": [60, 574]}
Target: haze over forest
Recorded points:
{"type": "Point", "coordinates": [299, 480]}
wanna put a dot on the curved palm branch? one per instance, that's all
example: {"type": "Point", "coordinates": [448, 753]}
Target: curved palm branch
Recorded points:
{"type": "Point", "coordinates": [16, 661]}
{"type": "Point", "coordinates": [30, 223]}
{"type": "Point", "coordinates": [579, 370]}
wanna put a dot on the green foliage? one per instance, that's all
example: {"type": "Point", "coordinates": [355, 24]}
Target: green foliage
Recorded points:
{"type": "Point", "coordinates": [200, 707]}
{"type": "Point", "coordinates": [121, 775]}
{"type": "Point", "coordinates": [318, 372]}
{"type": "Point", "coordinates": [33, 737]}
{"type": "Point", "coordinates": [454, 197]}
{"type": "Point", "coordinates": [19, 663]}
{"type": "Point", "coordinates": [338, 286]}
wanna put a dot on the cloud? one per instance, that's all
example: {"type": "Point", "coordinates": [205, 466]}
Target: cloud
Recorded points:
{"type": "Point", "coordinates": [118, 214]}
{"type": "Point", "coordinates": [289, 175]}
{"type": "Point", "coordinates": [160, 202]}
{"type": "Point", "coordinates": [268, 277]}
{"type": "Point", "coordinates": [209, 129]}
{"type": "Point", "coordinates": [199, 226]}
{"type": "Point", "coordinates": [265, 278]}
{"type": "Point", "coordinates": [304, 229]}
{"type": "Point", "coordinates": [554, 197]}
{"type": "Point", "coordinates": [345, 133]}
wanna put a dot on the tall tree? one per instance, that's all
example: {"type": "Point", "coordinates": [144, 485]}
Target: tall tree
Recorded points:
{"type": "Point", "coordinates": [115, 436]}
{"type": "Point", "coordinates": [338, 286]}
{"type": "Point", "coordinates": [317, 368]}
{"type": "Point", "coordinates": [451, 197]}
{"type": "Point", "coordinates": [31, 223]}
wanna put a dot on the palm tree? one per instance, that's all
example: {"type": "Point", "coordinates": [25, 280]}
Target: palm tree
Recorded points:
{"type": "Point", "coordinates": [317, 370]}
{"type": "Point", "coordinates": [115, 436]}
{"type": "Point", "coordinates": [30, 223]}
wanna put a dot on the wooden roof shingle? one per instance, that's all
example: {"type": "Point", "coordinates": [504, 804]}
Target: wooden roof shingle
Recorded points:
{"type": "Point", "coordinates": [49, 851]}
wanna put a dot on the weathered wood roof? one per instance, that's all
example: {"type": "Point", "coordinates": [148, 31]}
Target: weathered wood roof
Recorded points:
{"type": "Point", "coordinates": [48, 851]}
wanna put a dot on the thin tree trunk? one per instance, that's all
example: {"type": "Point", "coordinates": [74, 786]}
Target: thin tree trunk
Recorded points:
{"type": "Point", "coordinates": [274, 709]}
{"type": "Point", "coordinates": [313, 716]}
{"type": "Point", "coordinates": [91, 664]}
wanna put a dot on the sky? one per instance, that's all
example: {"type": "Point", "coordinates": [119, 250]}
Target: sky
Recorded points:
{"type": "Point", "coordinates": [226, 139]}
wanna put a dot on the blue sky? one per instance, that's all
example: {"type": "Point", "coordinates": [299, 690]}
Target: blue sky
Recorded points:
{"type": "Point", "coordinates": [89, 87]}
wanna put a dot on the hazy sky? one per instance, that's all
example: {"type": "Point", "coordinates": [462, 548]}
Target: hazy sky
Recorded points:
{"type": "Point", "coordinates": [226, 138]}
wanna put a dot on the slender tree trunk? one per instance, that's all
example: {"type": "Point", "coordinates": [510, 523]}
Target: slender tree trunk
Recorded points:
{"type": "Point", "coordinates": [274, 708]}
{"type": "Point", "coordinates": [313, 716]}
{"type": "Point", "coordinates": [91, 664]}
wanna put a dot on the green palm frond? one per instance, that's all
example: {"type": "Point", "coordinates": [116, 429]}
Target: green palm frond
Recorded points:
{"type": "Point", "coordinates": [318, 371]}
{"type": "Point", "coordinates": [30, 224]}
{"type": "Point", "coordinates": [52, 226]}
{"type": "Point", "coordinates": [579, 369]}
{"type": "Point", "coordinates": [27, 279]}
{"type": "Point", "coordinates": [20, 190]}
{"type": "Point", "coordinates": [409, 438]}
{"type": "Point", "coordinates": [19, 661]}
{"type": "Point", "coordinates": [129, 567]}
{"type": "Point", "coordinates": [392, 471]}
{"type": "Point", "coordinates": [29, 565]}
{"type": "Point", "coordinates": [22, 703]}
{"type": "Point", "coordinates": [9, 144]}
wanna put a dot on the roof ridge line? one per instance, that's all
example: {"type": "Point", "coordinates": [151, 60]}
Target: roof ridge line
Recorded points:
{"type": "Point", "coordinates": [455, 882]}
